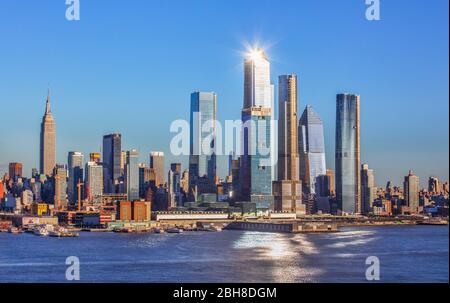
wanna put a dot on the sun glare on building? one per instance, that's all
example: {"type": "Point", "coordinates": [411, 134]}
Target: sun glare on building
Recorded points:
{"type": "Point", "coordinates": [256, 54]}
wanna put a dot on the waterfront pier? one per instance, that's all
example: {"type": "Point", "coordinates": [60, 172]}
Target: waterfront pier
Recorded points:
{"type": "Point", "coordinates": [284, 227]}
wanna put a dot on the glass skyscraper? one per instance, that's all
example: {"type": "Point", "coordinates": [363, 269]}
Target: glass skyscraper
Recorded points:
{"type": "Point", "coordinates": [112, 154]}
{"type": "Point", "coordinates": [348, 158]}
{"type": "Point", "coordinates": [202, 159]}
{"type": "Point", "coordinates": [75, 166]}
{"type": "Point", "coordinates": [257, 169]}
{"type": "Point", "coordinates": [311, 149]}
{"type": "Point", "coordinates": [132, 174]}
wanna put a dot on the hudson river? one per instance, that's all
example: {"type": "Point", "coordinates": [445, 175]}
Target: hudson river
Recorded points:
{"type": "Point", "coordinates": [406, 254]}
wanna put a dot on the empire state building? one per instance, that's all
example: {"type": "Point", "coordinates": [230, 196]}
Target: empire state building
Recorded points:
{"type": "Point", "coordinates": [48, 141]}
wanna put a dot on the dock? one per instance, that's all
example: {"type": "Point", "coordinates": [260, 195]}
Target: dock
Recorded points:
{"type": "Point", "coordinates": [284, 227]}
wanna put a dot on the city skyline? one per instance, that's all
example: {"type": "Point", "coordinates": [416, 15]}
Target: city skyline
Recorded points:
{"type": "Point", "coordinates": [427, 157]}
{"type": "Point", "coordinates": [202, 142]}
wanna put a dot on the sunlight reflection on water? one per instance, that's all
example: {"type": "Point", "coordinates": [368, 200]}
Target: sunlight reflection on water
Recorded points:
{"type": "Point", "coordinates": [287, 251]}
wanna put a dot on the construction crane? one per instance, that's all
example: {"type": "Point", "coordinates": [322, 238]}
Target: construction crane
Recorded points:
{"type": "Point", "coordinates": [79, 185]}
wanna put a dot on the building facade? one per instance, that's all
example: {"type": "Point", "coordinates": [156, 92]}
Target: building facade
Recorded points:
{"type": "Point", "coordinates": [433, 185]}
{"type": "Point", "coordinates": [47, 158]}
{"type": "Point", "coordinates": [411, 188]}
{"type": "Point", "coordinates": [311, 149]}
{"type": "Point", "coordinates": [15, 170]}
{"type": "Point", "coordinates": [257, 163]}
{"type": "Point", "coordinates": [287, 190]}
{"type": "Point", "coordinates": [347, 155]}
{"type": "Point", "coordinates": [157, 164]}
{"type": "Point", "coordinates": [368, 189]}
{"type": "Point", "coordinates": [174, 185]}
{"type": "Point", "coordinates": [75, 167]}
{"type": "Point", "coordinates": [132, 175]}
{"type": "Point", "coordinates": [146, 179]}
{"type": "Point", "coordinates": [94, 181]}
{"type": "Point", "coordinates": [202, 158]}
{"type": "Point", "coordinates": [112, 157]}
{"type": "Point", "coordinates": [60, 186]}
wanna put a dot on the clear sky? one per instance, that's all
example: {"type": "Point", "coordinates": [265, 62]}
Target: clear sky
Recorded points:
{"type": "Point", "coordinates": [130, 66]}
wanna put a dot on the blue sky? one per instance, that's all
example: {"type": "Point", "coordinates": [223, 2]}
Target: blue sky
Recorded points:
{"type": "Point", "coordinates": [130, 66]}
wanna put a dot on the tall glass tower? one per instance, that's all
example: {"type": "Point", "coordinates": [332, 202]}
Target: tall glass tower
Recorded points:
{"type": "Point", "coordinates": [348, 154]}
{"type": "Point", "coordinates": [132, 174]}
{"type": "Point", "coordinates": [202, 159]}
{"type": "Point", "coordinates": [311, 149]}
{"type": "Point", "coordinates": [257, 169]}
{"type": "Point", "coordinates": [112, 154]}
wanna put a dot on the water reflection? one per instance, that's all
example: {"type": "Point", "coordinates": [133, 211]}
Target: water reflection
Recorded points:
{"type": "Point", "coordinates": [352, 238]}
{"type": "Point", "coordinates": [287, 255]}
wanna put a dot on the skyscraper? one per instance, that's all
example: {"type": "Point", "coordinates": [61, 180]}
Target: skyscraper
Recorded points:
{"type": "Point", "coordinates": [123, 161]}
{"type": "Point", "coordinates": [95, 157]}
{"type": "Point", "coordinates": [330, 174]}
{"type": "Point", "coordinates": [411, 188]}
{"type": "Point", "coordinates": [2, 191]}
{"type": "Point", "coordinates": [368, 189]}
{"type": "Point", "coordinates": [94, 181]}
{"type": "Point", "coordinates": [132, 174]}
{"type": "Point", "coordinates": [287, 190]}
{"type": "Point", "coordinates": [184, 183]}
{"type": "Point", "coordinates": [323, 185]}
{"type": "Point", "coordinates": [60, 186]}
{"type": "Point", "coordinates": [311, 149]}
{"type": "Point", "coordinates": [146, 175]}
{"type": "Point", "coordinates": [48, 141]}
{"type": "Point", "coordinates": [75, 167]}
{"type": "Point", "coordinates": [433, 185]}
{"type": "Point", "coordinates": [348, 158]}
{"type": "Point", "coordinates": [257, 167]}
{"type": "Point", "coordinates": [112, 153]}
{"type": "Point", "coordinates": [15, 170]}
{"type": "Point", "coordinates": [202, 159]}
{"type": "Point", "coordinates": [157, 163]}
{"type": "Point", "coordinates": [174, 184]}
{"type": "Point", "coordinates": [258, 91]}
{"type": "Point", "coordinates": [288, 168]}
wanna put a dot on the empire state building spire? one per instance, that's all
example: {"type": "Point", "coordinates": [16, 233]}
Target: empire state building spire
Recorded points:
{"type": "Point", "coordinates": [48, 141]}
{"type": "Point", "coordinates": [47, 105]}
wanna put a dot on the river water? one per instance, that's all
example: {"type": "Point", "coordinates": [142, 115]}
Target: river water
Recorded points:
{"type": "Point", "coordinates": [405, 253]}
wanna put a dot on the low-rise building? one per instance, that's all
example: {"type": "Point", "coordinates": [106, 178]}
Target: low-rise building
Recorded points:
{"type": "Point", "coordinates": [188, 216]}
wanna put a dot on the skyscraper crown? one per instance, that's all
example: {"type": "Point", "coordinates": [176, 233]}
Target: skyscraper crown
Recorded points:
{"type": "Point", "coordinates": [310, 116]}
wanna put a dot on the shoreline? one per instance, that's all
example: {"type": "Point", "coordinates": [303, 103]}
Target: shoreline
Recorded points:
{"type": "Point", "coordinates": [339, 226]}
